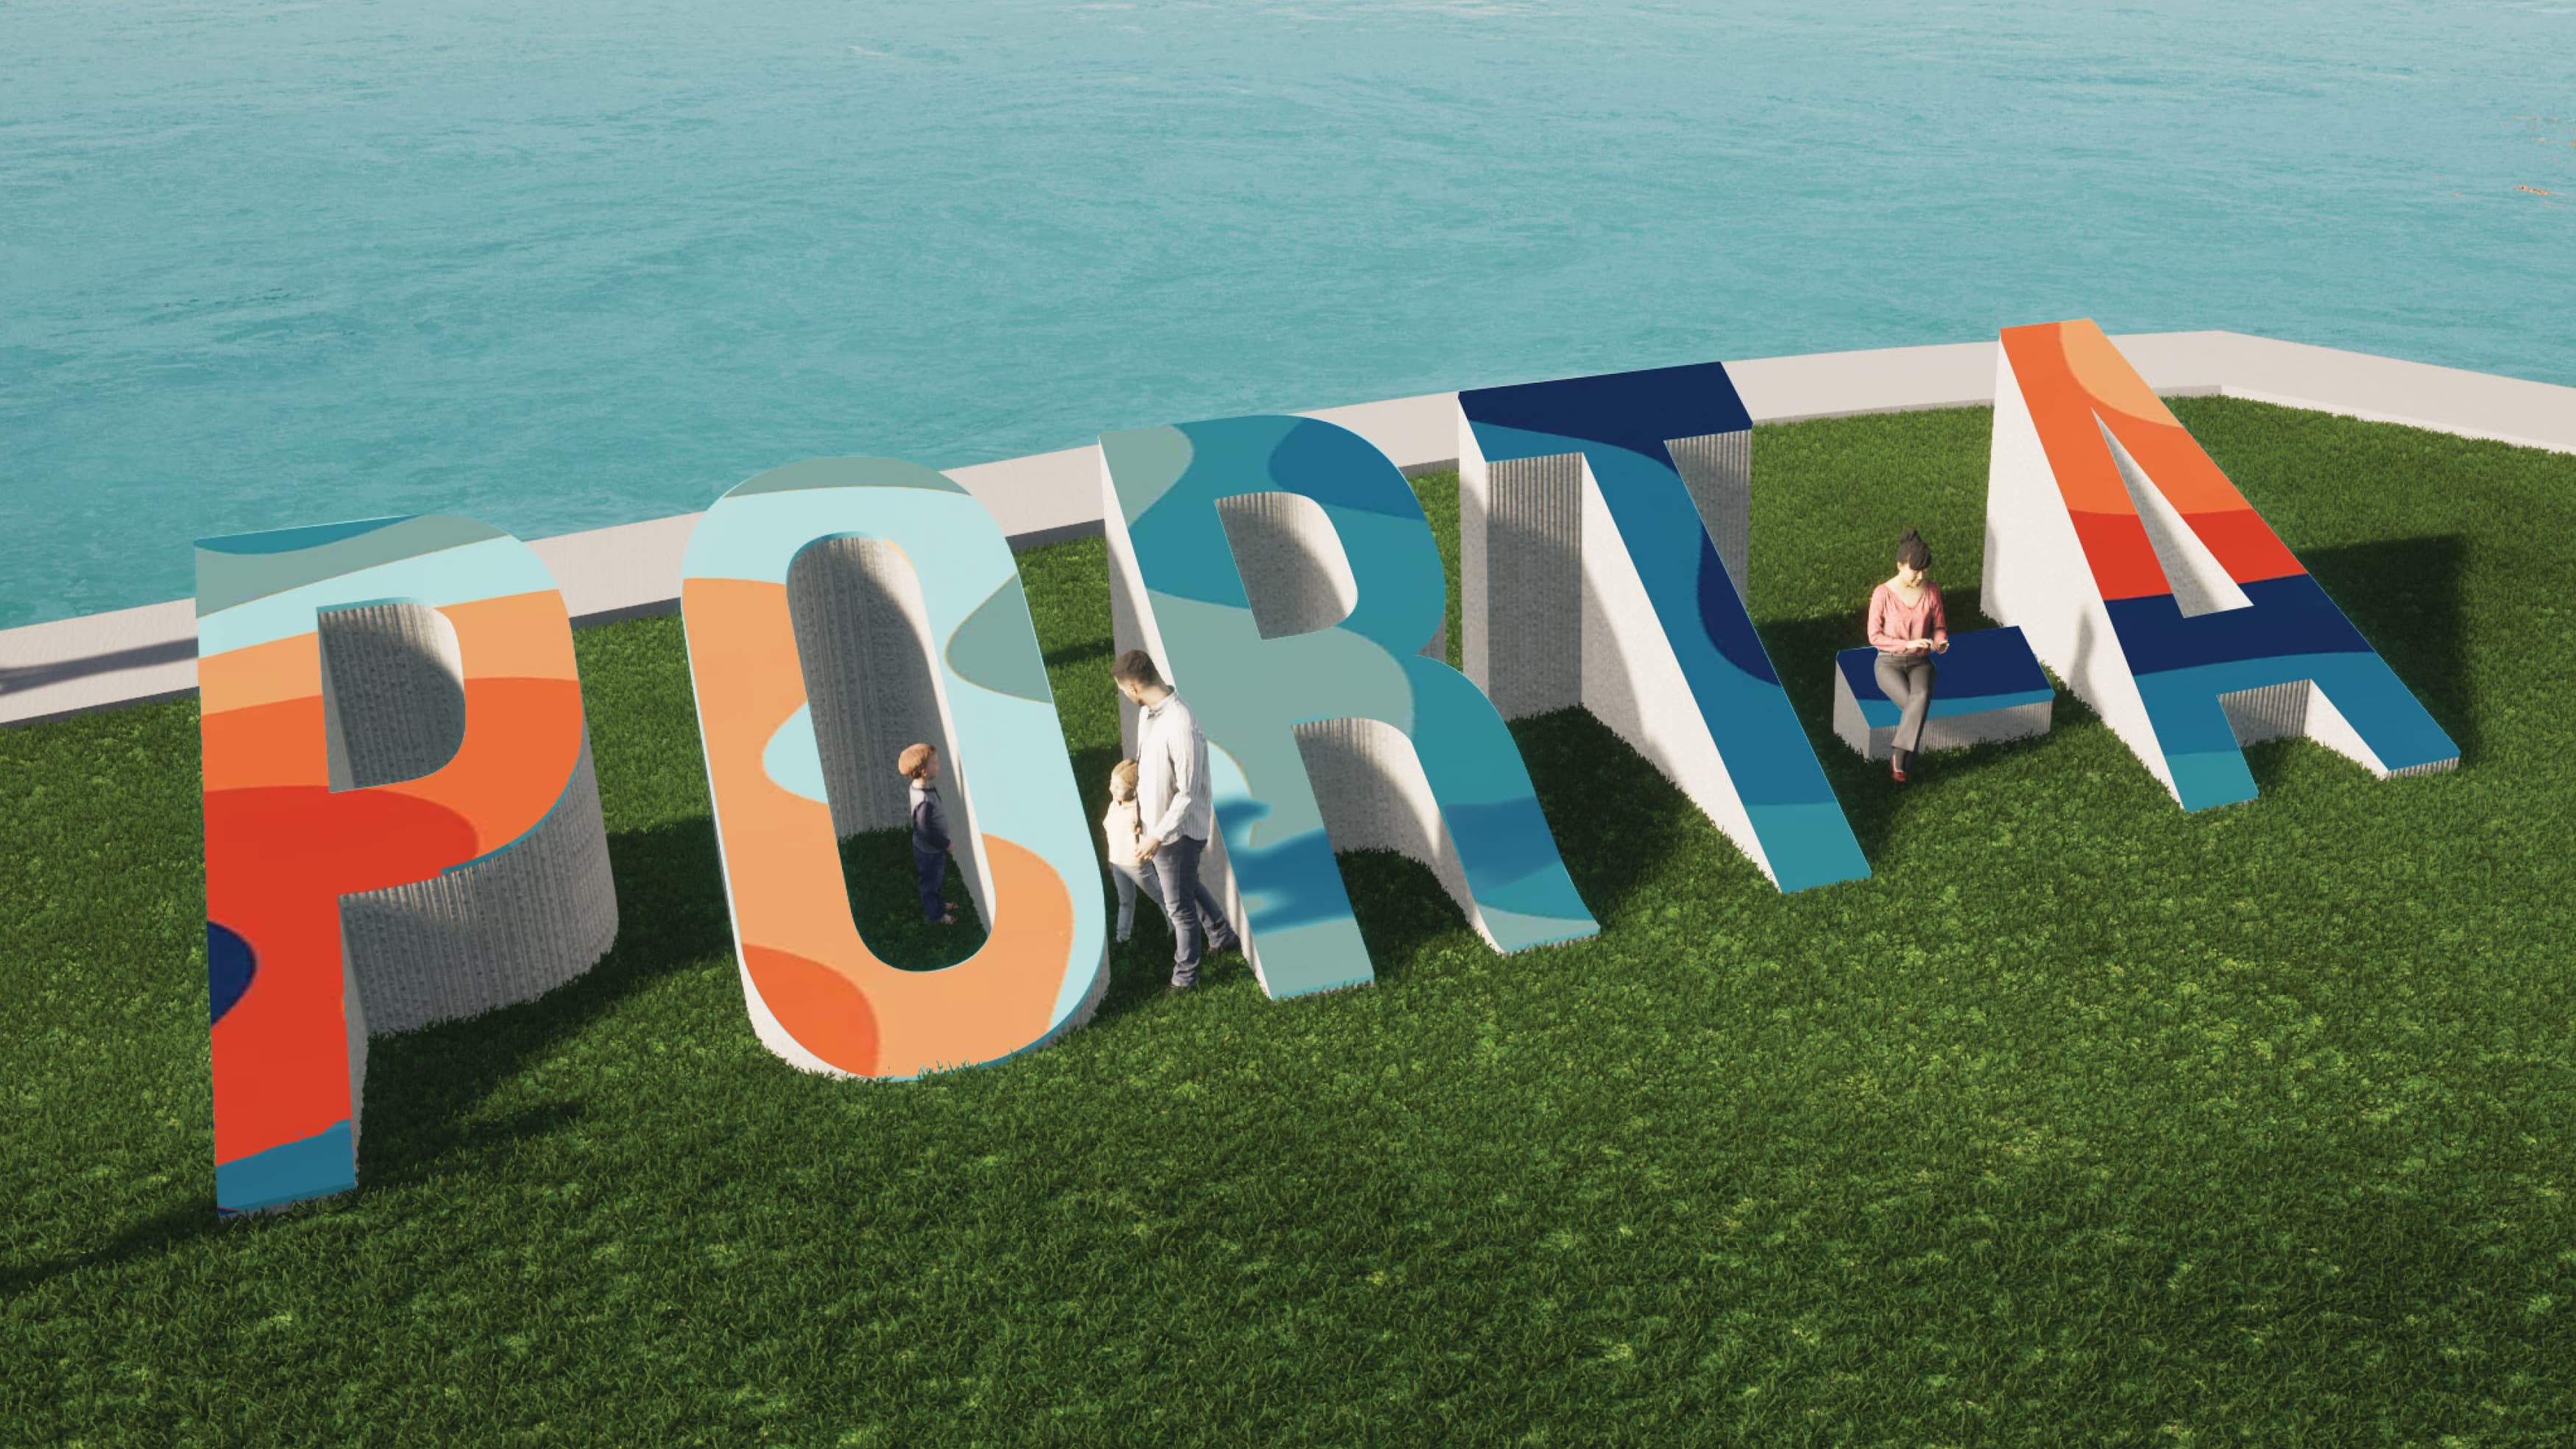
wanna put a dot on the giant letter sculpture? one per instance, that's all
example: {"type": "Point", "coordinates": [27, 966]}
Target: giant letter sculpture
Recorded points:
{"type": "Point", "coordinates": [1604, 530]}
{"type": "Point", "coordinates": [2156, 592]}
{"type": "Point", "coordinates": [402, 825]}
{"type": "Point", "coordinates": [1302, 648]}
{"type": "Point", "coordinates": [856, 567]}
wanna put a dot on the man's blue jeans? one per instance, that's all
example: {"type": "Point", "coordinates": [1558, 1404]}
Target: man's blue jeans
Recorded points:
{"type": "Point", "coordinates": [1198, 924]}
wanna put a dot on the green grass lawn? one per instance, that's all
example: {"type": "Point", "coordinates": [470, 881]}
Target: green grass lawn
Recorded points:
{"type": "Point", "coordinates": [2083, 1122]}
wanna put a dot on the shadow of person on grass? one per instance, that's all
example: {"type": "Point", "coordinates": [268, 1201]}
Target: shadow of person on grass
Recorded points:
{"type": "Point", "coordinates": [1803, 651]}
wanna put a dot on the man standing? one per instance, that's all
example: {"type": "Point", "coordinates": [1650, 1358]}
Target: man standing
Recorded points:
{"type": "Point", "coordinates": [1173, 805]}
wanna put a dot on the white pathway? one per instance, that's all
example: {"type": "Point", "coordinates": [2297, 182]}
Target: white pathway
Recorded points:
{"type": "Point", "coordinates": [130, 656]}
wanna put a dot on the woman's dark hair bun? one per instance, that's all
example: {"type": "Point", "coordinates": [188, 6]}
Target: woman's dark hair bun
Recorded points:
{"type": "Point", "coordinates": [1912, 551]}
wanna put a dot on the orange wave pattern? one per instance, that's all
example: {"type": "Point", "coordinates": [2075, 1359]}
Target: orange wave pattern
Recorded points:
{"type": "Point", "coordinates": [2071, 369]}
{"type": "Point", "coordinates": [282, 847]}
{"type": "Point", "coordinates": [818, 996]}
{"type": "Point", "coordinates": [800, 946]}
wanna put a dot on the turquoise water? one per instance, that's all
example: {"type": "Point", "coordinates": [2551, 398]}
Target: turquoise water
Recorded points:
{"type": "Point", "coordinates": [564, 265]}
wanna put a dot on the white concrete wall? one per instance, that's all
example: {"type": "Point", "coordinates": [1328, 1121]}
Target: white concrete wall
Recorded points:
{"type": "Point", "coordinates": [130, 656]}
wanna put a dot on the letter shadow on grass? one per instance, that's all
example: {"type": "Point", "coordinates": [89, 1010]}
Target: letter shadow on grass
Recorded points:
{"type": "Point", "coordinates": [424, 1087]}
{"type": "Point", "coordinates": [170, 1228]}
{"type": "Point", "coordinates": [885, 901]}
{"type": "Point", "coordinates": [2405, 596]}
{"type": "Point", "coordinates": [1618, 822]}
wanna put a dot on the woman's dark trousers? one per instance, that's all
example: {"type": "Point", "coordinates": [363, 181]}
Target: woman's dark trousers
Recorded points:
{"type": "Point", "coordinates": [1906, 679]}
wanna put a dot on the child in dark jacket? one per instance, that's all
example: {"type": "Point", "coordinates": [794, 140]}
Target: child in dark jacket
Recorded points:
{"type": "Point", "coordinates": [920, 764]}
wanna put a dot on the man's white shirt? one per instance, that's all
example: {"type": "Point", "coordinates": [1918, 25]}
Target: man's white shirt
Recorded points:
{"type": "Point", "coordinates": [1172, 773]}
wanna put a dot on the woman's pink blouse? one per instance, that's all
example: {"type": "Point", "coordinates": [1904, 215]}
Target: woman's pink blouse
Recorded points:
{"type": "Point", "coordinates": [1892, 623]}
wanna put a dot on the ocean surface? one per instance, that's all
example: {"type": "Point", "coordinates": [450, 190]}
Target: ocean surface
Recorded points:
{"type": "Point", "coordinates": [562, 265]}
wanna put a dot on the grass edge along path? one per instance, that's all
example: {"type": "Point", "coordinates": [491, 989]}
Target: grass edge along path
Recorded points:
{"type": "Point", "coordinates": [2083, 1121]}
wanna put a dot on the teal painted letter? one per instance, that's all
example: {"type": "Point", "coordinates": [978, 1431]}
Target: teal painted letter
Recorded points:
{"type": "Point", "coordinates": [1282, 575]}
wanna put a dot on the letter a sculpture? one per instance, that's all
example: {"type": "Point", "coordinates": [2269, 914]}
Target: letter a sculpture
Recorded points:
{"type": "Point", "coordinates": [2155, 591]}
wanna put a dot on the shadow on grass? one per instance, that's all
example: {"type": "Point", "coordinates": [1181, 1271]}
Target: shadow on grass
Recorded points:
{"type": "Point", "coordinates": [1401, 909]}
{"type": "Point", "coordinates": [2405, 596]}
{"type": "Point", "coordinates": [424, 1087]}
{"type": "Point", "coordinates": [172, 1227]}
{"type": "Point", "coordinates": [1615, 817]}
{"type": "Point", "coordinates": [1085, 651]}
{"type": "Point", "coordinates": [1398, 903]}
{"type": "Point", "coordinates": [1616, 821]}
{"type": "Point", "coordinates": [1803, 651]}
{"type": "Point", "coordinates": [885, 901]}
{"type": "Point", "coordinates": [877, 869]}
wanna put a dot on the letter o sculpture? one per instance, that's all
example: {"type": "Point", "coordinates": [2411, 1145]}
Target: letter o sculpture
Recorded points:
{"type": "Point", "coordinates": [818, 996]}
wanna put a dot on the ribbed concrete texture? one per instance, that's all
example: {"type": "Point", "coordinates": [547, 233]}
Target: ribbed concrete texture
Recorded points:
{"type": "Point", "coordinates": [863, 642]}
{"type": "Point", "coordinates": [2274, 712]}
{"type": "Point", "coordinates": [1520, 573]}
{"type": "Point", "coordinates": [506, 929]}
{"type": "Point", "coordinates": [1554, 614]}
{"type": "Point", "coordinates": [393, 693]}
{"type": "Point", "coordinates": [1718, 470]}
{"type": "Point", "coordinates": [1295, 572]}
{"type": "Point", "coordinates": [1521, 555]}
{"type": "Point", "coordinates": [2199, 581]}
{"type": "Point", "coordinates": [1371, 791]}
{"type": "Point", "coordinates": [2298, 709]}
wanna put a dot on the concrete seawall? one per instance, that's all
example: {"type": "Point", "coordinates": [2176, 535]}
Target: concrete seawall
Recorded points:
{"type": "Point", "coordinates": [133, 656]}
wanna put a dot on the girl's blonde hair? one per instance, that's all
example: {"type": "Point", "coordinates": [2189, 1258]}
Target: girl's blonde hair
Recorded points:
{"type": "Point", "coordinates": [1122, 779]}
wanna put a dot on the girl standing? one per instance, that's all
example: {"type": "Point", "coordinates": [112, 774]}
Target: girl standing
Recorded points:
{"type": "Point", "coordinates": [1124, 831]}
